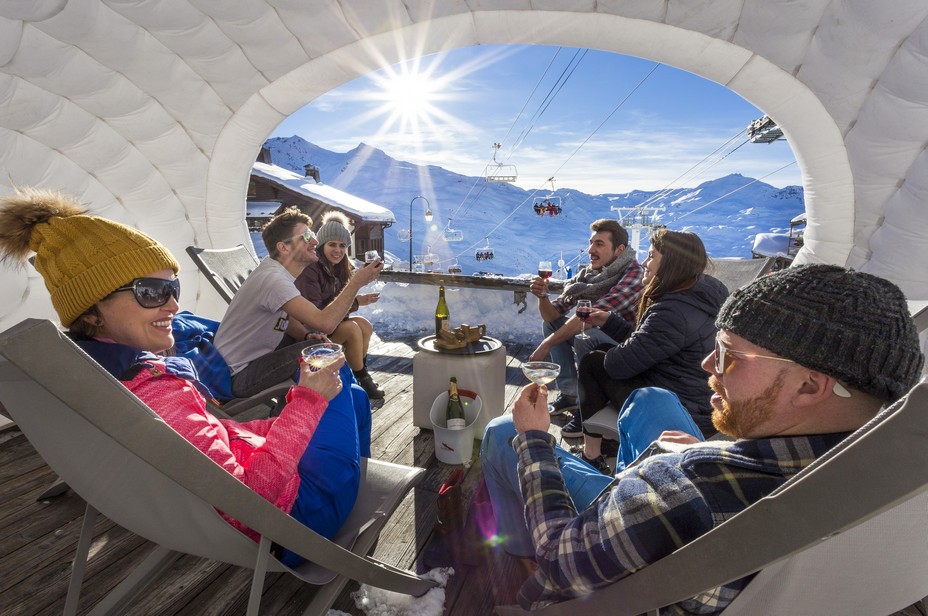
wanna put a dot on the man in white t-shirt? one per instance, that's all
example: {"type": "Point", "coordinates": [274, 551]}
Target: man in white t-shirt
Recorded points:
{"type": "Point", "coordinates": [251, 337]}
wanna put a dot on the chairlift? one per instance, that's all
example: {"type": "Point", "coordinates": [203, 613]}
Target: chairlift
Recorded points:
{"type": "Point", "coordinates": [455, 268]}
{"type": "Point", "coordinates": [549, 205]}
{"type": "Point", "coordinates": [485, 253]}
{"type": "Point", "coordinates": [429, 258]}
{"type": "Point", "coordinates": [498, 172]}
{"type": "Point", "coordinates": [452, 235]}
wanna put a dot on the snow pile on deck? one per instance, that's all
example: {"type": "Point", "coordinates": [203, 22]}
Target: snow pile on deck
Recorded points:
{"type": "Point", "coordinates": [379, 602]}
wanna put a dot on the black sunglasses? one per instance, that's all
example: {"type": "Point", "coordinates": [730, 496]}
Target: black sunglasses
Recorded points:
{"type": "Point", "coordinates": [152, 292]}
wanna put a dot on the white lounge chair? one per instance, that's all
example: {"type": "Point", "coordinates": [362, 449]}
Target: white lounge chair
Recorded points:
{"type": "Point", "coordinates": [848, 535]}
{"type": "Point", "coordinates": [129, 465]}
{"type": "Point", "coordinates": [225, 268]}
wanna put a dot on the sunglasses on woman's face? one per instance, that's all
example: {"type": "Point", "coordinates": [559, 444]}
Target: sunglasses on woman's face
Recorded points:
{"type": "Point", "coordinates": [152, 292]}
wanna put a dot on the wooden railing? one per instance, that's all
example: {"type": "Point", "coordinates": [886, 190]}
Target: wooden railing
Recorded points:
{"type": "Point", "coordinates": [519, 286]}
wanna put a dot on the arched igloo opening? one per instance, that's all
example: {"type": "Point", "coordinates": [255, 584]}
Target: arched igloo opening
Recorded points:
{"type": "Point", "coordinates": [152, 113]}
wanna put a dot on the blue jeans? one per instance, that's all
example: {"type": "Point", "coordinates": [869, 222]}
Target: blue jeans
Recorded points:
{"type": "Point", "coordinates": [639, 426]}
{"type": "Point", "coordinates": [330, 471]}
{"type": "Point", "coordinates": [647, 412]}
{"type": "Point", "coordinates": [584, 483]}
{"type": "Point", "coordinates": [568, 354]}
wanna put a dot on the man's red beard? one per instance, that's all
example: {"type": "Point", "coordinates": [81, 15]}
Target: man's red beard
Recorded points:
{"type": "Point", "coordinates": [740, 418]}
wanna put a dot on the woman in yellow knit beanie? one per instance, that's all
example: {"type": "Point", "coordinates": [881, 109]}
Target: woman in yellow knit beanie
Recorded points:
{"type": "Point", "coordinates": [116, 290]}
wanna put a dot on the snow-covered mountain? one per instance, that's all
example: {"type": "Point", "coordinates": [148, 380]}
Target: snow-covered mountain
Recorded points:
{"type": "Point", "coordinates": [500, 215]}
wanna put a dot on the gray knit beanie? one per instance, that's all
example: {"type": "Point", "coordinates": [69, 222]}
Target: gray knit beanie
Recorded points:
{"type": "Point", "coordinates": [850, 325]}
{"type": "Point", "coordinates": [334, 226]}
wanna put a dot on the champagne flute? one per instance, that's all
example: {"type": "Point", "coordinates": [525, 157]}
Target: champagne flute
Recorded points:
{"type": "Point", "coordinates": [584, 308]}
{"type": "Point", "coordinates": [318, 356]}
{"type": "Point", "coordinates": [544, 269]}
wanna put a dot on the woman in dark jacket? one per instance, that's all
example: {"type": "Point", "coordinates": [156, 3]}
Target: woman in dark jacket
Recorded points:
{"type": "Point", "coordinates": [675, 331]}
{"type": "Point", "coordinates": [323, 280]}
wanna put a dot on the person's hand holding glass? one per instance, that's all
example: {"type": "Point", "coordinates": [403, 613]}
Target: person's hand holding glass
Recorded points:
{"type": "Point", "coordinates": [584, 308]}
{"type": "Point", "coordinates": [539, 285]}
{"type": "Point", "coordinates": [318, 356]}
{"type": "Point", "coordinates": [540, 372]}
{"type": "Point", "coordinates": [319, 369]}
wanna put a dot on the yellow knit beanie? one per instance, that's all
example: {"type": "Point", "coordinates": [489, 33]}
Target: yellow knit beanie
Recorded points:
{"type": "Point", "coordinates": [82, 258]}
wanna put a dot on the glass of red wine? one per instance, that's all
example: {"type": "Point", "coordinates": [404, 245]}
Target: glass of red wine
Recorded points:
{"type": "Point", "coordinates": [584, 308]}
{"type": "Point", "coordinates": [544, 269]}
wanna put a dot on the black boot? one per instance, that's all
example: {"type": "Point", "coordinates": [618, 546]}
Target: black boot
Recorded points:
{"type": "Point", "coordinates": [365, 381]}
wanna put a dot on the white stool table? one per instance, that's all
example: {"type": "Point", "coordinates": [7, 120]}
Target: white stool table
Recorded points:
{"type": "Point", "coordinates": [479, 367]}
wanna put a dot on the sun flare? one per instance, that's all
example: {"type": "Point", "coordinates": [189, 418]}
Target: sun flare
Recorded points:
{"type": "Point", "coordinates": [410, 95]}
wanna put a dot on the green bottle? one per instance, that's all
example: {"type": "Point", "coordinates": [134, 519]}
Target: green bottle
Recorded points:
{"type": "Point", "coordinates": [454, 417]}
{"type": "Point", "coordinates": [441, 313]}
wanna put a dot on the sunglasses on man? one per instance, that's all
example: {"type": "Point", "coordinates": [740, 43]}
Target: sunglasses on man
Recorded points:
{"type": "Point", "coordinates": [722, 352]}
{"type": "Point", "coordinates": [306, 236]}
{"type": "Point", "coordinates": [152, 292]}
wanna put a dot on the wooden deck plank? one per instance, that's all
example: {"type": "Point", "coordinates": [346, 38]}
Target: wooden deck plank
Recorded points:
{"type": "Point", "coordinates": [38, 539]}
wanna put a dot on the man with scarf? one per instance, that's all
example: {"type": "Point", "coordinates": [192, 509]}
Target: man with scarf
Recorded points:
{"type": "Point", "coordinates": [613, 282]}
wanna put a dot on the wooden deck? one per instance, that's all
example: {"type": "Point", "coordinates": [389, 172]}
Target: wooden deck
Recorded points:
{"type": "Point", "coordinates": [37, 539]}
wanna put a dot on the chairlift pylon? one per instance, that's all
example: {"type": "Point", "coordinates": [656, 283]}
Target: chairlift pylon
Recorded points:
{"type": "Point", "coordinates": [549, 205]}
{"type": "Point", "coordinates": [498, 172]}
{"type": "Point", "coordinates": [485, 253]}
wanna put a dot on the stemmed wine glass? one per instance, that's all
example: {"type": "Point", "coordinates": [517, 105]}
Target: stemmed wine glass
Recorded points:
{"type": "Point", "coordinates": [544, 269]}
{"type": "Point", "coordinates": [584, 308]}
{"type": "Point", "coordinates": [540, 372]}
{"type": "Point", "coordinates": [318, 356]}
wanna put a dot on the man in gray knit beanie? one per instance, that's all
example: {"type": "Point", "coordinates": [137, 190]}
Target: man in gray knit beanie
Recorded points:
{"type": "Point", "coordinates": [803, 357]}
{"type": "Point", "coordinates": [828, 338]}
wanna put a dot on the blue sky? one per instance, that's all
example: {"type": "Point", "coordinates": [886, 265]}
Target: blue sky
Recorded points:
{"type": "Point", "coordinates": [449, 109]}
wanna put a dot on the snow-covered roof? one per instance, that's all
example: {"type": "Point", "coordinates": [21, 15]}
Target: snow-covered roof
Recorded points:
{"type": "Point", "coordinates": [117, 104]}
{"type": "Point", "coordinates": [771, 244]}
{"type": "Point", "coordinates": [307, 186]}
{"type": "Point", "coordinates": [798, 219]}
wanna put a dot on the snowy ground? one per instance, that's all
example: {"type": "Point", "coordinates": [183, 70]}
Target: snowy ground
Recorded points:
{"type": "Point", "coordinates": [409, 309]}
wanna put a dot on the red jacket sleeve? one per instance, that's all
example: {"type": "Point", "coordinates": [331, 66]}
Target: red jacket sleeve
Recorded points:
{"type": "Point", "coordinates": [263, 454]}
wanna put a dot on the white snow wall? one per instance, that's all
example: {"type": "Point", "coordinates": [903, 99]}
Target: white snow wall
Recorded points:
{"type": "Point", "coordinates": [152, 112]}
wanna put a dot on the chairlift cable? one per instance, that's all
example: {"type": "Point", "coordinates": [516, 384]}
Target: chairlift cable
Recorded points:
{"type": "Point", "coordinates": [606, 119]}
{"type": "Point", "coordinates": [574, 153]}
{"type": "Point", "coordinates": [509, 132]}
{"type": "Point", "coordinates": [548, 99]}
{"type": "Point", "coordinates": [705, 205]}
{"type": "Point", "coordinates": [666, 189]}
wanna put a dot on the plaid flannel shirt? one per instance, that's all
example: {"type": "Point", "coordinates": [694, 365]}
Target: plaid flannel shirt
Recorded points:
{"type": "Point", "coordinates": [650, 510]}
{"type": "Point", "coordinates": [621, 299]}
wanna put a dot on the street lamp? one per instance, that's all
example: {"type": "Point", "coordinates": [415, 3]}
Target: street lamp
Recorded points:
{"type": "Point", "coordinates": [428, 218]}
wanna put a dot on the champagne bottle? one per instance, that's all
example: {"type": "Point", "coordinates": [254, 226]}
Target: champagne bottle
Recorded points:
{"type": "Point", "coordinates": [441, 313]}
{"type": "Point", "coordinates": [454, 417]}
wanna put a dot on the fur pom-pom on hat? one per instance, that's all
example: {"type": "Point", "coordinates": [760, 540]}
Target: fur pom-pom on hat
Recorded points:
{"type": "Point", "coordinates": [334, 226]}
{"type": "Point", "coordinates": [82, 258]}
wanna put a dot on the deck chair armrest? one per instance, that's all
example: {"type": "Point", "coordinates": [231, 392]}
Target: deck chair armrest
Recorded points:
{"type": "Point", "coordinates": [787, 521]}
